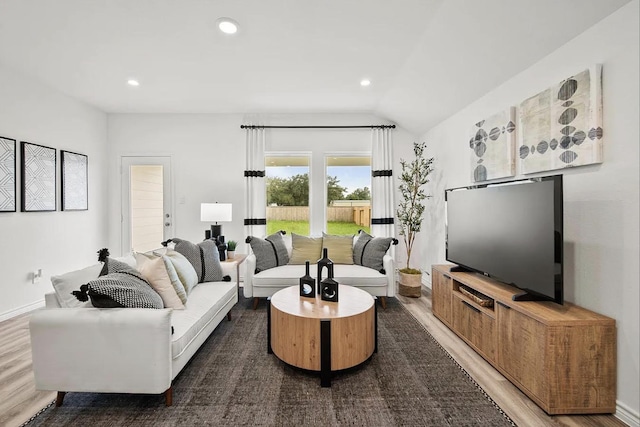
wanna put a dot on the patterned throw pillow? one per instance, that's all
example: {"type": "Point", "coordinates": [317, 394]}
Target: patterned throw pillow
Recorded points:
{"type": "Point", "coordinates": [120, 286]}
{"type": "Point", "coordinates": [305, 249]}
{"type": "Point", "coordinates": [204, 257]}
{"type": "Point", "coordinates": [270, 252]}
{"type": "Point", "coordinates": [368, 251]}
{"type": "Point", "coordinates": [339, 248]}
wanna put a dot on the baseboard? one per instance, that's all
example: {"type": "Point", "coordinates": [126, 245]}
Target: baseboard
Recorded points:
{"type": "Point", "coordinates": [21, 310]}
{"type": "Point", "coordinates": [426, 281]}
{"type": "Point", "coordinates": [627, 415]}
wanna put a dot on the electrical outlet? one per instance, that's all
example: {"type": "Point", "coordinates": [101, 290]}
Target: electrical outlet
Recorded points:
{"type": "Point", "coordinates": [36, 275]}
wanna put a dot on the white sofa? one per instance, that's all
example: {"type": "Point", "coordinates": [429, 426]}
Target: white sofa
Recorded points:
{"type": "Point", "coordinates": [268, 282]}
{"type": "Point", "coordinates": [124, 350]}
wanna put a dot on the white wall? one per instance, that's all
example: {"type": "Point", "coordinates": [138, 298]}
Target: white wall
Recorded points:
{"type": "Point", "coordinates": [58, 241]}
{"type": "Point", "coordinates": [600, 202]}
{"type": "Point", "coordinates": [208, 158]}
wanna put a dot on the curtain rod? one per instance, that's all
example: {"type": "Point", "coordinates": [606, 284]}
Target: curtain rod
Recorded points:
{"type": "Point", "coordinates": [319, 127]}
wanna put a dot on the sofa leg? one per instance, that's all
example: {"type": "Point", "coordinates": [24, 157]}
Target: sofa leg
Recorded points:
{"type": "Point", "coordinates": [229, 316]}
{"type": "Point", "coordinates": [255, 303]}
{"type": "Point", "coordinates": [60, 398]}
{"type": "Point", "coordinates": [383, 302]}
{"type": "Point", "coordinates": [168, 397]}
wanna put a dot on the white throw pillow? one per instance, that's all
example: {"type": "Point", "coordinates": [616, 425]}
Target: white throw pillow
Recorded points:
{"type": "Point", "coordinates": [154, 271]}
{"type": "Point", "coordinates": [64, 284]}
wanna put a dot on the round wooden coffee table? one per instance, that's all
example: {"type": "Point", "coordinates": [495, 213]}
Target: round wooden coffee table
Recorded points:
{"type": "Point", "coordinates": [318, 335]}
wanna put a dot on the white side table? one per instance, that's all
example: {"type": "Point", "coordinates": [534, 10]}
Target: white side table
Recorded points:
{"type": "Point", "coordinates": [237, 259]}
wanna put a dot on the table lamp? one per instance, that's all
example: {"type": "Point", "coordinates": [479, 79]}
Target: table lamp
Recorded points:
{"type": "Point", "coordinates": [215, 212]}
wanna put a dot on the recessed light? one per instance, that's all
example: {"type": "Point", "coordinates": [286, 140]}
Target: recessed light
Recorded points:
{"type": "Point", "coordinates": [365, 82]}
{"type": "Point", "coordinates": [133, 82]}
{"type": "Point", "coordinates": [227, 25]}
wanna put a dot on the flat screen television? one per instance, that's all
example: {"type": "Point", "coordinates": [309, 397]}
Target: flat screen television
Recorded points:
{"type": "Point", "coordinates": [510, 231]}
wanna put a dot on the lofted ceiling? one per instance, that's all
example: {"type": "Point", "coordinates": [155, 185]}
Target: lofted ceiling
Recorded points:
{"type": "Point", "coordinates": [426, 59]}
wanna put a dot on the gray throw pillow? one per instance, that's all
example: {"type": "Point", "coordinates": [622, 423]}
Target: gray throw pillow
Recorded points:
{"type": "Point", "coordinates": [121, 289]}
{"type": "Point", "coordinates": [204, 257]}
{"type": "Point", "coordinates": [270, 252]}
{"type": "Point", "coordinates": [368, 251]}
{"type": "Point", "coordinates": [118, 285]}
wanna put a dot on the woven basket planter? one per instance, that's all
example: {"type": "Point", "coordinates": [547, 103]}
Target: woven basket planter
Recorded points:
{"type": "Point", "coordinates": [410, 285]}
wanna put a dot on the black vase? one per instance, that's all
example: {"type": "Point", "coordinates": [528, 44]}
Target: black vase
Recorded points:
{"type": "Point", "coordinates": [323, 262]}
{"type": "Point", "coordinates": [329, 287]}
{"type": "Point", "coordinates": [307, 283]}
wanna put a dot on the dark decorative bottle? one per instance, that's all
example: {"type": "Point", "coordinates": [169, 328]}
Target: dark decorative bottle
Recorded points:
{"type": "Point", "coordinates": [307, 283]}
{"type": "Point", "coordinates": [329, 287]}
{"type": "Point", "coordinates": [323, 262]}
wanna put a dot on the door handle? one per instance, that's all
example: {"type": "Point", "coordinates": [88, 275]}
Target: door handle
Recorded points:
{"type": "Point", "coordinates": [477, 310]}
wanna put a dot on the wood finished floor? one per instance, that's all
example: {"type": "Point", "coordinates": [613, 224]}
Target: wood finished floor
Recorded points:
{"type": "Point", "coordinates": [19, 400]}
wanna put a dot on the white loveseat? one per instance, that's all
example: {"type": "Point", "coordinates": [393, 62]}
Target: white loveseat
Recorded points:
{"type": "Point", "coordinates": [123, 350]}
{"type": "Point", "coordinates": [267, 282]}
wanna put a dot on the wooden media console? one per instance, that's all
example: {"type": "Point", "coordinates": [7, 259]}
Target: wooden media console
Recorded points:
{"type": "Point", "coordinates": [562, 356]}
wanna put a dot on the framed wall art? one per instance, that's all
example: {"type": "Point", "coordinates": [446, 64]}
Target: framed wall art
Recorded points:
{"type": "Point", "coordinates": [492, 146]}
{"type": "Point", "coordinates": [38, 172]}
{"type": "Point", "coordinates": [561, 127]}
{"type": "Point", "coordinates": [74, 181]}
{"type": "Point", "coordinates": [7, 174]}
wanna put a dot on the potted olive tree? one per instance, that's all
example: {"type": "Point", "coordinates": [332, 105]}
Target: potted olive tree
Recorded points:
{"type": "Point", "coordinates": [414, 175]}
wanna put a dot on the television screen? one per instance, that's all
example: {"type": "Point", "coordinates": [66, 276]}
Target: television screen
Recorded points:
{"type": "Point", "coordinates": [511, 231]}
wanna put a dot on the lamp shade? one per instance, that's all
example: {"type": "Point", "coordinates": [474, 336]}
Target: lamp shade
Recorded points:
{"type": "Point", "coordinates": [215, 212]}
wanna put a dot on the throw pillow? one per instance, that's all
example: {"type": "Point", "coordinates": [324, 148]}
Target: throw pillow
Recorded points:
{"type": "Point", "coordinates": [305, 249]}
{"type": "Point", "coordinates": [204, 257]}
{"type": "Point", "coordinates": [155, 272]}
{"type": "Point", "coordinates": [270, 252]}
{"type": "Point", "coordinates": [171, 272]}
{"type": "Point", "coordinates": [64, 284]}
{"type": "Point", "coordinates": [368, 251]}
{"type": "Point", "coordinates": [111, 265]}
{"type": "Point", "coordinates": [122, 289]}
{"type": "Point", "coordinates": [339, 248]}
{"type": "Point", "coordinates": [184, 269]}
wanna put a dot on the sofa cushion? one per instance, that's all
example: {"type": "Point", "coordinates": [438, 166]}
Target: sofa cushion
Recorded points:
{"type": "Point", "coordinates": [205, 302]}
{"type": "Point", "coordinates": [270, 252]}
{"type": "Point", "coordinates": [368, 251]}
{"type": "Point", "coordinates": [204, 257]}
{"type": "Point", "coordinates": [154, 270]}
{"type": "Point", "coordinates": [65, 284]}
{"type": "Point", "coordinates": [289, 275]}
{"type": "Point", "coordinates": [339, 248]}
{"type": "Point", "coordinates": [186, 272]}
{"type": "Point", "coordinates": [305, 249]}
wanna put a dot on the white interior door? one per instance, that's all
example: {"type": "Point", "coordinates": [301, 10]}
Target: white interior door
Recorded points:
{"type": "Point", "coordinates": [147, 214]}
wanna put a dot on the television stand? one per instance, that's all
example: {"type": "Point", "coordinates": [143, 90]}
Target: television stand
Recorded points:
{"type": "Point", "coordinates": [562, 356]}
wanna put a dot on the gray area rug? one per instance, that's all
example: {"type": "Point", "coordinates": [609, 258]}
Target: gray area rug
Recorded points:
{"type": "Point", "coordinates": [232, 381]}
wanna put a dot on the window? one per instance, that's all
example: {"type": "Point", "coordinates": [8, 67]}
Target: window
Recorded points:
{"type": "Point", "coordinates": [348, 194]}
{"type": "Point", "coordinates": [287, 193]}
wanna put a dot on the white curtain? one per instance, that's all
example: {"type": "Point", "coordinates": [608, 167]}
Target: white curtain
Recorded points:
{"type": "Point", "coordinates": [383, 209]}
{"type": "Point", "coordinates": [255, 219]}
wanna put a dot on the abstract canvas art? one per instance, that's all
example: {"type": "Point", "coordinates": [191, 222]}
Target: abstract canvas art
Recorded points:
{"type": "Point", "coordinates": [38, 178]}
{"type": "Point", "coordinates": [74, 181]}
{"type": "Point", "coordinates": [492, 146]}
{"type": "Point", "coordinates": [7, 175]}
{"type": "Point", "coordinates": [562, 126]}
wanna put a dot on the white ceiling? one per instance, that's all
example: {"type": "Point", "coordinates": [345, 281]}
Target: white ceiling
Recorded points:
{"type": "Point", "coordinates": [426, 58]}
